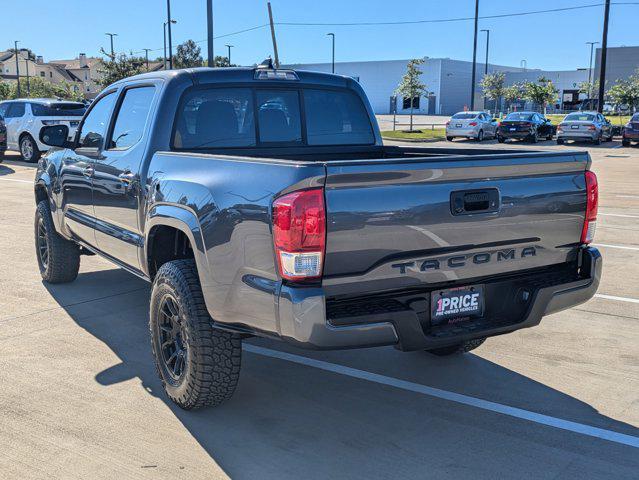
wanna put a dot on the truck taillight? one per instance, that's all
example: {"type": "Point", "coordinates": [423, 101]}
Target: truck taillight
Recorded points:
{"type": "Point", "coordinates": [592, 201]}
{"type": "Point", "coordinates": [299, 234]}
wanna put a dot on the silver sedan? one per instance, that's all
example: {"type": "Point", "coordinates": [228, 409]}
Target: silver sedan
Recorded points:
{"type": "Point", "coordinates": [476, 125]}
{"type": "Point", "coordinates": [584, 126]}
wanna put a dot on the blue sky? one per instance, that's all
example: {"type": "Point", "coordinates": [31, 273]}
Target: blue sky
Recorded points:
{"type": "Point", "coordinates": [551, 41]}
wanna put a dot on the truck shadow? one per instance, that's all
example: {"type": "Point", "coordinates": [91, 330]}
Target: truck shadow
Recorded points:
{"type": "Point", "coordinates": [292, 421]}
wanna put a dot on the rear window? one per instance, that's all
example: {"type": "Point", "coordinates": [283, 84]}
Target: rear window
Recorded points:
{"type": "Point", "coordinates": [464, 116]}
{"type": "Point", "coordinates": [245, 117]}
{"type": "Point", "coordinates": [58, 109]}
{"type": "Point", "coordinates": [519, 116]}
{"type": "Point", "coordinates": [579, 117]}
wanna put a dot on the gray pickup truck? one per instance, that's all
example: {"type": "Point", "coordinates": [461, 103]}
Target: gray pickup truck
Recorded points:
{"type": "Point", "coordinates": [262, 202]}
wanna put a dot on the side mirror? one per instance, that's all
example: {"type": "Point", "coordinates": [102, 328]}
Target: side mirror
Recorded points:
{"type": "Point", "coordinates": [55, 136]}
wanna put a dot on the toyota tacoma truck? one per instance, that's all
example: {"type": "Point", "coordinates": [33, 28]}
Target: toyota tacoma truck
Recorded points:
{"type": "Point", "coordinates": [262, 202]}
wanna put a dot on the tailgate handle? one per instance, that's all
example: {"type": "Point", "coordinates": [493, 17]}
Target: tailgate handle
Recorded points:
{"type": "Point", "coordinates": [467, 202]}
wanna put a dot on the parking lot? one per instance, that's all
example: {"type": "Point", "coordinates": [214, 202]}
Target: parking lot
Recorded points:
{"type": "Point", "coordinates": [81, 399]}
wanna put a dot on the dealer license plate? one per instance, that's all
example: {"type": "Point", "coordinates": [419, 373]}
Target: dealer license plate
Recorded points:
{"type": "Point", "coordinates": [456, 304]}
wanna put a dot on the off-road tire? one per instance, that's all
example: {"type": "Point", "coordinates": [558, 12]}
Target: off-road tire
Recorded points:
{"type": "Point", "coordinates": [213, 357]}
{"type": "Point", "coordinates": [62, 260]}
{"type": "Point", "coordinates": [457, 349]}
{"type": "Point", "coordinates": [35, 154]}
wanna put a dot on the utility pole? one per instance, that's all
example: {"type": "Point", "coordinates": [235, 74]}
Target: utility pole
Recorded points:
{"type": "Point", "coordinates": [26, 64]}
{"type": "Point", "coordinates": [165, 24]}
{"type": "Point", "coordinates": [592, 45]}
{"type": "Point", "coordinates": [209, 38]}
{"type": "Point", "coordinates": [15, 44]}
{"type": "Point", "coordinates": [112, 51]}
{"type": "Point", "coordinates": [486, 63]}
{"type": "Point", "coordinates": [270, 18]}
{"type": "Point", "coordinates": [602, 67]}
{"type": "Point", "coordinates": [472, 86]}
{"type": "Point", "coordinates": [229, 47]}
{"type": "Point", "coordinates": [169, 22]}
{"type": "Point", "coordinates": [146, 54]}
{"type": "Point", "coordinates": [333, 60]}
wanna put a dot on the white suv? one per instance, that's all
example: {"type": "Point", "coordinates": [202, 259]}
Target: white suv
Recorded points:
{"type": "Point", "coordinates": [25, 117]}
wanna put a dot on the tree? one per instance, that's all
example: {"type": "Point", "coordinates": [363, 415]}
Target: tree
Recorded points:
{"type": "Point", "coordinates": [41, 88]}
{"type": "Point", "coordinates": [541, 93]}
{"type": "Point", "coordinates": [5, 91]}
{"type": "Point", "coordinates": [188, 55]}
{"type": "Point", "coordinates": [411, 85]}
{"type": "Point", "coordinates": [626, 92]}
{"type": "Point", "coordinates": [122, 66]}
{"type": "Point", "coordinates": [492, 84]}
{"type": "Point", "coordinates": [513, 93]}
{"type": "Point", "coordinates": [220, 61]}
{"type": "Point", "coordinates": [590, 89]}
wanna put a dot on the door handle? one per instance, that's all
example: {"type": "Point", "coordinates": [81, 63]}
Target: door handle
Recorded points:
{"type": "Point", "coordinates": [127, 177]}
{"type": "Point", "coordinates": [88, 171]}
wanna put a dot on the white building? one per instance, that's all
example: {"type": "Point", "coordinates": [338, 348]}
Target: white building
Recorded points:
{"type": "Point", "coordinates": [447, 81]}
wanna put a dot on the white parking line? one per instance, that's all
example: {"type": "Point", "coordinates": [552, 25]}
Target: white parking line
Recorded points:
{"type": "Point", "coordinates": [620, 247]}
{"type": "Point", "coordinates": [618, 299]}
{"type": "Point", "coordinates": [16, 180]}
{"type": "Point", "coordinates": [539, 418]}
{"type": "Point", "coordinates": [621, 215]}
{"type": "Point", "coordinates": [627, 196]}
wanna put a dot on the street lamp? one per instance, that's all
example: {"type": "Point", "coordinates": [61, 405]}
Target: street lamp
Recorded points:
{"type": "Point", "coordinates": [169, 22]}
{"type": "Point", "coordinates": [15, 44]}
{"type": "Point", "coordinates": [332, 35]}
{"type": "Point", "coordinates": [592, 45]}
{"type": "Point", "coordinates": [112, 51]}
{"type": "Point", "coordinates": [165, 24]}
{"type": "Point", "coordinates": [229, 47]}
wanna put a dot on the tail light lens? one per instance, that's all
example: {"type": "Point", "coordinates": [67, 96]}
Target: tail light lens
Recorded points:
{"type": "Point", "coordinates": [560, 128]}
{"type": "Point", "coordinates": [299, 234]}
{"type": "Point", "coordinates": [592, 127]}
{"type": "Point", "coordinates": [51, 122]}
{"type": "Point", "coordinates": [473, 124]}
{"type": "Point", "coordinates": [592, 202]}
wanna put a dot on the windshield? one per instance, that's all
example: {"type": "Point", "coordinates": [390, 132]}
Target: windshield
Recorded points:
{"type": "Point", "coordinates": [519, 116]}
{"type": "Point", "coordinates": [579, 117]}
{"type": "Point", "coordinates": [245, 117]}
{"type": "Point", "coordinates": [464, 116]}
{"type": "Point", "coordinates": [58, 109]}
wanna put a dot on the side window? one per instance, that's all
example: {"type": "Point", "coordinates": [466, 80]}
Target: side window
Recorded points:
{"type": "Point", "coordinates": [95, 124]}
{"type": "Point", "coordinates": [3, 109]}
{"type": "Point", "coordinates": [131, 117]}
{"type": "Point", "coordinates": [16, 110]}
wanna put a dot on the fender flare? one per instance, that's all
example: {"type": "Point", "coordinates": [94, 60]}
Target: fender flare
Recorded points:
{"type": "Point", "coordinates": [185, 220]}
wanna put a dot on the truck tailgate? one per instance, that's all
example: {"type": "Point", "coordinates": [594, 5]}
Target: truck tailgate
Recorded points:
{"type": "Point", "coordinates": [399, 223]}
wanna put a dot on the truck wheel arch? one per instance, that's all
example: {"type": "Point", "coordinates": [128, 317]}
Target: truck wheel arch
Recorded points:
{"type": "Point", "coordinates": [179, 224]}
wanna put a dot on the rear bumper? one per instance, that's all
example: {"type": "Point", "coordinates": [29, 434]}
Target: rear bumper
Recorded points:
{"type": "Point", "coordinates": [303, 318]}
{"type": "Point", "coordinates": [520, 135]}
{"type": "Point", "coordinates": [462, 132]}
{"type": "Point", "coordinates": [631, 135]}
{"type": "Point", "coordinates": [568, 135]}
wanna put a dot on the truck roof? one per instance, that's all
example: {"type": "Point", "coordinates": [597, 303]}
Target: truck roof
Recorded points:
{"type": "Point", "coordinates": [206, 75]}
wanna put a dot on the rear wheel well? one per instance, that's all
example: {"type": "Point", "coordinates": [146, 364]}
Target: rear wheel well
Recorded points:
{"type": "Point", "coordinates": [166, 244]}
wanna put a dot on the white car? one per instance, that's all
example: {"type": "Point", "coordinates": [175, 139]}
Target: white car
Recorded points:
{"type": "Point", "coordinates": [25, 117]}
{"type": "Point", "coordinates": [476, 125]}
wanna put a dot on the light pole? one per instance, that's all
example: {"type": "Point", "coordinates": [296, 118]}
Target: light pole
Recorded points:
{"type": "Point", "coordinates": [592, 48]}
{"type": "Point", "coordinates": [604, 54]}
{"type": "Point", "coordinates": [523, 64]}
{"type": "Point", "coordinates": [169, 22]}
{"type": "Point", "coordinates": [229, 47]}
{"type": "Point", "coordinates": [146, 54]}
{"type": "Point", "coordinates": [472, 81]}
{"type": "Point", "coordinates": [165, 24]}
{"type": "Point", "coordinates": [15, 44]}
{"type": "Point", "coordinates": [332, 35]}
{"type": "Point", "coordinates": [112, 51]}
{"type": "Point", "coordinates": [209, 34]}
{"type": "Point", "coordinates": [486, 63]}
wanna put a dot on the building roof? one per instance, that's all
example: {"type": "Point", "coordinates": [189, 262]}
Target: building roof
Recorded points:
{"type": "Point", "coordinates": [74, 64]}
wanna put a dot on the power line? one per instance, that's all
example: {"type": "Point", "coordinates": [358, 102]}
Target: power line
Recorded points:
{"type": "Point", "coordinates": [411, 22]}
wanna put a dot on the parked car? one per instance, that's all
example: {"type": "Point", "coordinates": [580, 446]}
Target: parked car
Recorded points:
{"type": "Point", "coordinates": [24, 118]}
{"type": "Point", "coordinates": [585, 126]}
{"type": "Point", "coordinates": [530, 126]}
{"type": "Point", "coordinates": [3, 138]}
{"type": "Point", "coordinates": [476, 125]}
{"type": "Point", "coordinates": [630, 131]}
{"type": "Point", "coordinates": [294, 222]}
